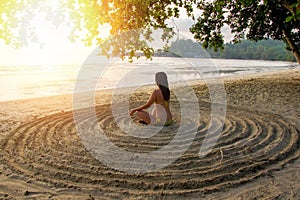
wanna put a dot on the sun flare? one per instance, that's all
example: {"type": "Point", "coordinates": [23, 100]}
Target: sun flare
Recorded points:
{"type": "Point", "coordinates": [46, 38]}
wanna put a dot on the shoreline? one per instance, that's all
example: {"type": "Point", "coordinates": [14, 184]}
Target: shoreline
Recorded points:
{"type": "Point", "coordinates": [220, 74]}
{"type": "Point", "coordinates": [284, 75]}
{"type": "Point", "coordinates": [42, 156]}
{"type": "Point", "coordinates": [192, 81]}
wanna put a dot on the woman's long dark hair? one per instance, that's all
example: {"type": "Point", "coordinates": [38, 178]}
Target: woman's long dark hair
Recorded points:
{"type": "Point", "coordinates": [162, 82]}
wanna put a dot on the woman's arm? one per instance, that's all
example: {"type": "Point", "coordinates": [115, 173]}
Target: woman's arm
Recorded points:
{"type": "Point", "coordinates": [150, 101]}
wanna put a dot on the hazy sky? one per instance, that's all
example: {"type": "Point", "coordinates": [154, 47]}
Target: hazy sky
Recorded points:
{"type": "Point", "coordinates": [53, 46]}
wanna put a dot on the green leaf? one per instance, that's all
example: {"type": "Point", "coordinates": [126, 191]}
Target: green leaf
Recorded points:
{"type": "Point", "coordinates": [289, 18]}
{"type": "Point", "coordinates": [298, 15]}
{"type": "Point", "coordinates": [294, 5]}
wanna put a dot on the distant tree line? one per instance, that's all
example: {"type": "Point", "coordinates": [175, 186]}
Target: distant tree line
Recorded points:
{"type": "Point", "coordinates": [246, 49]}
{"type": "Point", "coordinates": [261, 50]}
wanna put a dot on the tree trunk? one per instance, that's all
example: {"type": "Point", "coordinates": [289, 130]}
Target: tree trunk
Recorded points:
{"type": "Point", "coordinates": [292, 46]}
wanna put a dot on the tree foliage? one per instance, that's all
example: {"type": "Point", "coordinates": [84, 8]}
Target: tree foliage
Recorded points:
{"type": "Point", "coordinates": [252, 19]}
{"type": "Point", "coordinates": [133, 21]}
{"type": "Point", "coordinates": [15, 17]}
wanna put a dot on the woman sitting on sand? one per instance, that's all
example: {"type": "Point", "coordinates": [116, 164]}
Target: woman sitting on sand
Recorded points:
{"type": "Point", "coordinates": [161, 114]}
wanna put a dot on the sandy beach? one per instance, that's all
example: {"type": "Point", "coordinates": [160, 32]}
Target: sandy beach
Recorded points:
{"type": "Point", "coordinates": [256, 157]}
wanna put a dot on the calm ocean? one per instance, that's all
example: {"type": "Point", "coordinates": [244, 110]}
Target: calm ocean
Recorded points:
{"type": "Point", "coordinates": [19, 82]}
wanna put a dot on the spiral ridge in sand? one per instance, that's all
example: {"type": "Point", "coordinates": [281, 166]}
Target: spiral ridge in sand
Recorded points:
{"type": "Point", "coordinates": [49, 153]}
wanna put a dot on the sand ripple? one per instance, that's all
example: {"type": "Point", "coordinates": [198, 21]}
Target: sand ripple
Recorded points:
{"type": "Point", "coordinates": [49, 153]}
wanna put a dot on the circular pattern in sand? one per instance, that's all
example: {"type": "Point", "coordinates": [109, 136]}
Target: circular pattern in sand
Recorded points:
{"type": "Point", "coordinates": [49, 153]}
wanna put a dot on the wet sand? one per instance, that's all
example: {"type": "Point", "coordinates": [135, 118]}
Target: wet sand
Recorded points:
{"type": "Point", "coordinates": [257, 155]}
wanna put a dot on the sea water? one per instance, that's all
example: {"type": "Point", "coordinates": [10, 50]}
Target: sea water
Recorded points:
{"type": "Point", "coordinates": [20, 82]}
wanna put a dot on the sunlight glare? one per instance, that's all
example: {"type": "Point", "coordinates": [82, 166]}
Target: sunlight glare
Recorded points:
{"type": "Point", "coordinates": [50, 42]}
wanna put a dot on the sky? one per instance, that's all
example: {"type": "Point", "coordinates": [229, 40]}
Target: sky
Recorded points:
{"type": "Point", "coordinates": [53, 46]}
